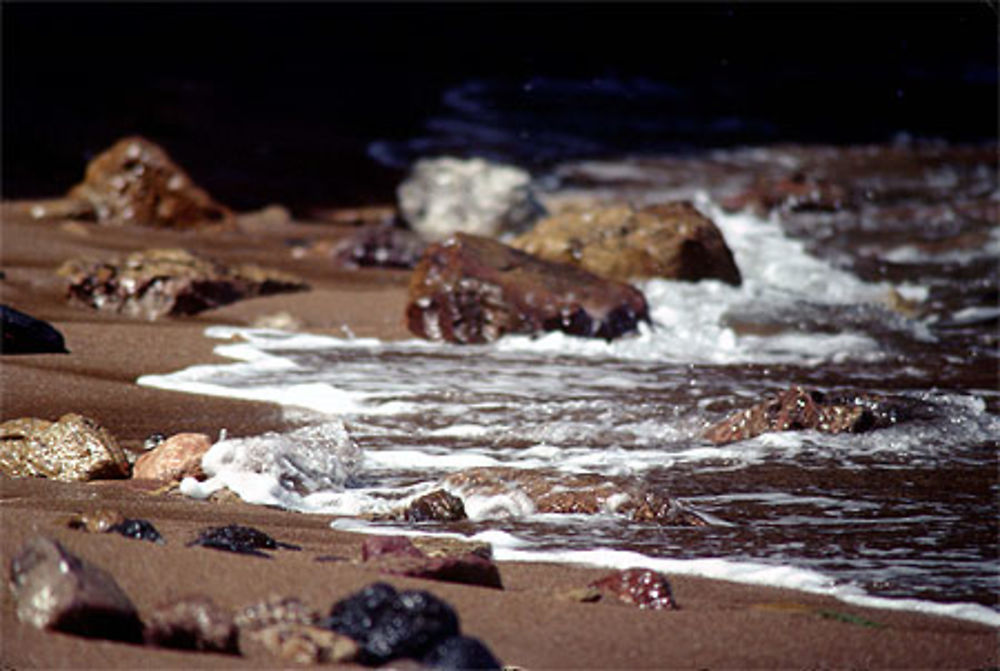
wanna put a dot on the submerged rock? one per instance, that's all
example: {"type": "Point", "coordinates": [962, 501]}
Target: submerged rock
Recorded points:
{"type": "Point", "coordinates": [798, 409]}
{"type": "Point", "coordinates": [55, 589]}
{"type": "Point", "coordinates": [174, 459]}
{"type": "Point", "coordinates": [192, 623]}
{"type": "Point", "coordinates": [72, 449]}
{"type": "Point", "coordinates": [135, 182]}
{"type": "Point", "coordinates": [639, 587]}
{"type": "Point", "coordinates": [443, 196]}
{"type": "Point", "coordinates": [159, 282]}
{"type": "Point", "coordinates": [471, 289]}
{"type": "Point", "coordinates": [397, 555]}
{"type": "Point", "coordinates": [669, 240]}
{"type": "Point", "coordinates": [21, 333]}
{"type": "Point", "coordinates": [381, 246]}
{"type": "Point", "coordinates": [240, 539]}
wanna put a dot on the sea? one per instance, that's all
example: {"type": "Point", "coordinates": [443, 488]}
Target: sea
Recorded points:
{"type": "Point", "coordinates": [897, 296]}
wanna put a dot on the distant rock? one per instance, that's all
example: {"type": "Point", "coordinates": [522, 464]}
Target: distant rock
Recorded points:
{"type": "Point", "coordinates": [798, 409]}
{"type": "Point", "coordinates": [443, 196]}
{"type": "Point", "coordinates": [112, 521]}
{"type": "Point", "coordinates": [397, 555]}
{"type": "Point", "coordinates": [192, 623]}
{"type": "Point", "coordinates": [169, 282]}
{"type": "Point", "coordinates": [174, 459]}
{"type": "Point", "coordinates": [136, 183]}
{"type": "Point", "coordinates": [638, 587]}
{"type": "Point", "coordinates": [796, 192]}
{"type": "Point", "coordinates": [55, 589]}
{"type": "Point", "coordinates": [72, 449]}
{"type": "Point", "coordinates": [380, 246]}
{"type": "Point", "coordinates": [670, 240]}
{"type": "Point", "coordinates": [21, 333]}
{"type": "Point", "coordinates": [240, 539]}
{"type": "Point", "coordinates": [436, 506]}
{"type": "Point", "coordinates": [470, 289]}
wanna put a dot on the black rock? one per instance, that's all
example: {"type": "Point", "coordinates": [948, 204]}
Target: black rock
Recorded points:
{"type": "Point", "coordinates": [139, 529]}
{"type": "Point", "coordinates": [461, 652]}
{"type": "Point", "coordinates": [23, 334]}
{"type": "Point", "coordinates": [240, 539]}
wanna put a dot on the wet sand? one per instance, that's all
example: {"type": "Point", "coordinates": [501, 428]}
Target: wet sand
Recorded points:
{"type": "Point", "coordinates": [719, 624]}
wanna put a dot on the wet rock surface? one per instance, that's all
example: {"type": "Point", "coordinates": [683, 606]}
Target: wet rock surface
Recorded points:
{"type": "Point", "coordinates": [799, 409]}
{"type": "Point", "coordinates": [20, 333]}
{"type": "Point", "coordinates": [638, 587]}
{"type": "Point", "coordinates": [668, 240]}
{"type": "Point", "coordinates": [192, 623]}
{"type": "Point", "coordinates": [437, 506]}
{"type": "Point", "coordinates": [380, 246]}
{"type": "Point", "coordinates": [470, 289]}
{"type": "Point", "coordinates": [55, 589]}
{"type": "Point", "coordinates": [168, 282]}
{"type": "Point", "coordinates": [173, 459]}
{"type": "Point", "coordinates": [72, 449]}
{"type": "Point", "coordinates": [397, 555]}
{"type": "Point", "coordinates": [444, 196]}
{"type": "Point", "coordinates": [136, 183]}
{"type": "Point", "coordinates": [241, 540]}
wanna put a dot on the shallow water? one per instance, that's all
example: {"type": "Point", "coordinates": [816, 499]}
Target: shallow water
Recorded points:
{"type": "Point", "coordinates": [908, 512]}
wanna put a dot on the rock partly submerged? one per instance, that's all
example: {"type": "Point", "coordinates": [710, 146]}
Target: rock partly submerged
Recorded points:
{"type": "Point", "coordinates": [471, 289]}
{"type": "Point", "coordinates": [72, 449]}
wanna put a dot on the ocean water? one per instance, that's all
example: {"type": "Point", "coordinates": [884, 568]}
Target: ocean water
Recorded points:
{"type": "Point", "coordinates": [904, 517]}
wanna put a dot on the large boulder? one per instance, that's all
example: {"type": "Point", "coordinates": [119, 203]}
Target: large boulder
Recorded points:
{"type": "Point", "coordinates": [447, 195]}
{"type": "Point", "coordinates": [470, 289]}
{"type": "Point", "coordinates": [158, 282]}
{"type": "Point", "coordinates": [669, 240]}
{"type": "Point", "coordinates": [72, 449]}
{"type": "Point", "coordinates": [135, 182]}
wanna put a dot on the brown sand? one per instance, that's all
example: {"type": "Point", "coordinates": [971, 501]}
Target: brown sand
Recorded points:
{"type": "Point", "coordinates": [719, 625]}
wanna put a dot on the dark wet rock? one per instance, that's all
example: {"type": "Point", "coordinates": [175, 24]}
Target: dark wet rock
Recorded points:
{"type": "Point", "coordinates": [136, 183]}
{"type": "Point", "coordinates": [799, 409]}
{"type": "Point", "coordinates": [389, 624]}
{"type": "Point", "coordinates": [461, 652]}
{"type": "Point", "coordinates": [21, 333]}
{"type": "Point", "coordinates": [158, 282]}
{"type": "Point", "coordinates": [437, 506]}
{"type": "Point", "coordinates": [443, 196]}
{"type": "Point", "coordinates": [795, 192]}
{"type": "Point", "coordinates": [72, 449]}
{"type": "Point", "coordinates": [192, 623]}
{"type": "Point", "coordinates": [273, 611]}
{"type": "Point", "coordinates": [383, 246]}
{"type": "Point", "coordinates": [298, 644]}
{"type": "Point", "coordinates": [669, 240]}
{"type": "Point", "coordinates": [397, 555]}
{"type": "Point", "coordinates": [240, 539]}
{"type": "Point", "coordinates": [55, 589]}
{"type": "Point", "coordinates": [173, 459]}
{"type": "Point", "coordinates": [639, 587]}
{"type": "Point", "coordinates": [470, 289]}
{"type": "Point", "coordinates": [138, 529]}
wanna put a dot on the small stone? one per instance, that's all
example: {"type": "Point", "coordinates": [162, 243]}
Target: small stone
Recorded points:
{"type": "Point", "coordinates": [21, 333]}
{"type": "Point", "coordinates": [193, 623]}
{"type": "Point", "coordinates": [437, 506]}
{"type": "Point", "coordinates": [174, 459]}
{"type": "Point", "coordinates": [240, 539]}
{"type": "Point", "coordinates": [639, 587]}
{"type": "Point", "coordinates": [298, 644]}
{"type": "Point", "coordinates": [138, 529]}
{"type": "Point", "coordinates": [72, 449]}
{"type": "Point", "coordinates": [54, 589]}
{"type": "Point", "coordinates": [384, 246]}
{"type": "Point", "coordinates": [380, 546]}
{"type": "Point", "coordinates": [275, 610]}
{"type": "Point", "coordinates": [461, 652]}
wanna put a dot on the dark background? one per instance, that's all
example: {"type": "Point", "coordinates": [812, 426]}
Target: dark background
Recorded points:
{"type": "Point", "coordinates": [281, 103]}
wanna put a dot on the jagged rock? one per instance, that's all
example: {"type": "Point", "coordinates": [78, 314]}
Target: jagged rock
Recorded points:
{"type": "Point", "coordinates": [639, 587]}
{"type": "Point", "coordinates": [192, 623]}
{"type": "Point", "coordinates": [298, 644]}
{"type": "Point", "coordinates": [796, 192]}
{"type": "Point", "coordinates": [174, 459]}
{"type": "Point", "coordinates": [397, 555]}
{"type": "Point", "coordinates": [158, 282]}
{"type": "Point", "coordinates": [21, 333]}
{"type": "Point", "coordinates": [799, 409]}
{"type": "Point", "coordinates": [72, 449]}
{"type": "Point", "coordinates": [669, 240]}
{"type": "Point", "coordinates": [55, 589]}
{"type": "Point", "coordinates": [443, 196]}
{"type": "Point", "coordinates": [382, 246]}
{"type": "Point", "coordinates": [136, 182]}
{"type": "Point", "coordinates": [470, 289]}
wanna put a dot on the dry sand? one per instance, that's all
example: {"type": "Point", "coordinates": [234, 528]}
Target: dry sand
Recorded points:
{"type": "Point", "coordinates": [719, 625]}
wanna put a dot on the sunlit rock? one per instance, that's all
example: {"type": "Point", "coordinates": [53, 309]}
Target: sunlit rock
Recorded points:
{"type": "Point", "coordinates": [72, 449]}
{"type": "Point", "coordinates": [175, 458]}
{"type": "Point", "coordinates": [637, 587]}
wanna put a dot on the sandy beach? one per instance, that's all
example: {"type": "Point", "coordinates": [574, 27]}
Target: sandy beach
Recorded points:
{"type": "Point", "coordinates": [527, 625]}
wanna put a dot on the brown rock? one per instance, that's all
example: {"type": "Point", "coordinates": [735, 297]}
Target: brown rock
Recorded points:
{"type": "Point", "coordinates": [174, 459]}
{"type": "Point", "coordinates": [670, 240]}
{"type": "Point", "coordinates": [158, 282]}
{"type": "Point", "coordinates": [638, 587]}
{"type": "Point", "coordinates": [192, 623]}
{"type": "Point", "coordinates": [97, 522]}
{"type": "Point", "coordinates": [374, 547]}
{"type": "Point", "coordinates": [54, 589]}
{"type": "Point", "coordinates": [470, 289]}
{"type": "Point", "coordinates": [382, 246]}
{"type": "Point", "coordinates": [397, 555]}
{"type": "Point", "coordinates": [135, 183]}
{"type": "Point", "coordinates": [275, 610]}
{"type": "Point", "coordinates": [437, 506]}
{"type": "Point", "coordinates": [73, 449]}
{"type": "Point", "coordinates": [299, 644]}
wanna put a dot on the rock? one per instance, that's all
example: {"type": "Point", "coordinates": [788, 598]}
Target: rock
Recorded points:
{"type": "Point", "coordinates": [112, 521]}
{"type": "Point", "coordinates": [240, 539]}
{"type": "Point", "coordinates": [639, 587]}
{"type": "Point", "coordinates": [473, 290]}
{"type": "Point", "coordinates": [138, 529]}
{"type": "Point", "coordinates": [174, 459]}
{"type": "Point", "coordinates": [383, 246]}
{"type": "Point", "coordinates": [73, 449]}
{"type": "Point", "coordinates": [437, 506]}
{"type": "Point", "coordinates": [461, 652]}
{"type": "Point", "coordinates": [192, 623]}
{"type": "Point", "coordinates": [397, 555]}
{"type": "Point", "coordinates": [443, 196]}
{"type": "Point", "coordinates": [136, 183]}
{"type": "Point", "coordinates": [54, 589]}
{"type": "Point", "coordinates": [21, 333]}
{"type": "Point", "coordinates": [795, 193]}
{"type": "Point", "coordinates": [798, 409]}
{"type": "Point", "coordinates": [275, 610]}
{"type": "Point", "coordinates": [670, 240]}
{"type": "Point", "coordinates": [388, 625]}
{"type": "Point", "coordinates": [298, 644]}
{"type": "Point", "coordinates": [158, 282]}
{"type": "Point", "coordinates": [374, 547]}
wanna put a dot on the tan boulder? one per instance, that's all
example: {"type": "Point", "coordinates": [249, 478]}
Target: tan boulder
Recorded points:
{"type": "Point", "coordinates": [72, 449]}
{"type": "Point", "coordinates": [174, 459]}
